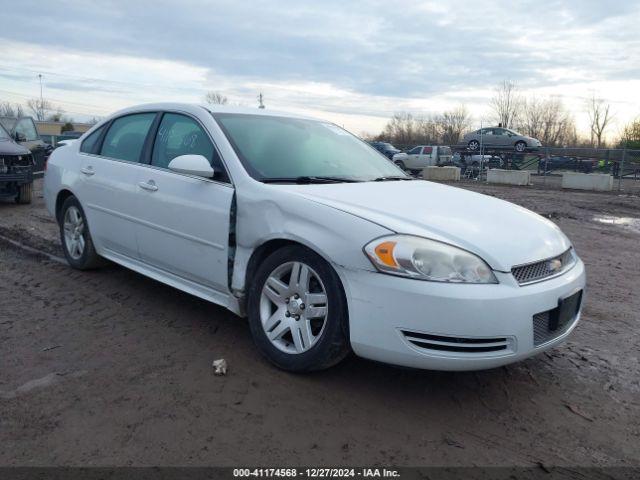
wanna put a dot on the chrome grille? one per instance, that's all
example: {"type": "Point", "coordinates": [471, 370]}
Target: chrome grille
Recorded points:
{"type": "Point", "coordinates": [533, 272]}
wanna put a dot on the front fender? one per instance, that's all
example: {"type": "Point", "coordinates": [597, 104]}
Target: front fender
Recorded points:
{"type": "Point", "coordinates": [265, 214]}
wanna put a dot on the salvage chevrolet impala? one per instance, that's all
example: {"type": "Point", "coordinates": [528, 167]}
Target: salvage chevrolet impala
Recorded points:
{"type": "Point", "coordinates": [323, 243]}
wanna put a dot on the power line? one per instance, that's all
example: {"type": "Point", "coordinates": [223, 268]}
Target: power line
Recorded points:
{"type": "Point", "coordinates": [9, 68]}
{"type": "Point", "coordinates": [92, 113]}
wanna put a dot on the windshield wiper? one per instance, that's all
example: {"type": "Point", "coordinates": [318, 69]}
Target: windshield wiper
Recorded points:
{"type": "Point", "coordinates": [392, 178]}
{"type": "Point", "coordinates": [309, 179]}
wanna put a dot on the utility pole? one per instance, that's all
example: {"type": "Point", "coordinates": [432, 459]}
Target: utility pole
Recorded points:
{"type": "Point", "coordinates": [41, 106]}
{"type": "Point", "coordinates": [260, 101]}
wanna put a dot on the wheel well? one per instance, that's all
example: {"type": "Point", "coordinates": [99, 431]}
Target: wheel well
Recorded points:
{"type": "Point", "coordinates": [60, 199]}
{"type": "Point", "coordinates": [260, 254]}
{"type": "Point", "coordinates": [266, 249]}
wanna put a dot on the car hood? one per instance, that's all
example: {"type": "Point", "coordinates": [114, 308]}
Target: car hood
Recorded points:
{"type": "Point", "coordinates": [501, 233]}
{"type": "Point", "coordinates": [9, 147]}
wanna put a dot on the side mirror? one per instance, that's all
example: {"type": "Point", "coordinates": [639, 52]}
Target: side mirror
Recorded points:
{"type": "Point", "coordinates": [20, 137]}
{"type": "Point", "coordinates": [192, 165]}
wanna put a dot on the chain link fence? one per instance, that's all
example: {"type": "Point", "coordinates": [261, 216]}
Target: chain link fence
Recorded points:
{"type": "Point", "coordinates": [546, 164]}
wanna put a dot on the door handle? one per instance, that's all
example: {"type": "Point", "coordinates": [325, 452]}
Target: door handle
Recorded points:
{"type": "Point", "coordinates": [87, 171]}
{"type": "Point", "coordinates": [150, 185]}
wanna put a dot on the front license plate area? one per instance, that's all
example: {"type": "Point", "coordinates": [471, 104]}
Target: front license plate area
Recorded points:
{"type": "Point", "coordinates": [567, 309]}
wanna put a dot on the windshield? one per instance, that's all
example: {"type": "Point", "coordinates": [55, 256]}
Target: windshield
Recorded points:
{"type": "Point", "coordinates": [3, 134]}
{"type": "Point", "coordinates": [287, 148]}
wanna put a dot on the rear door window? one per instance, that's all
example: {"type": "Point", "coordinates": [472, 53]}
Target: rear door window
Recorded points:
{"type": "Point", "coordinates": [427, 150]}
{"type": "Point", "coordinates": [126, 136]}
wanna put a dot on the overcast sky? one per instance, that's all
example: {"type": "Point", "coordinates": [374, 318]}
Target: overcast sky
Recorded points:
{"type": "Point", "coordinates": [351, 62]}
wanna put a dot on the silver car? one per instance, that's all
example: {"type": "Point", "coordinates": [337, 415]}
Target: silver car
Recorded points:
{"type": "Point", "coordinates": [500, 138]}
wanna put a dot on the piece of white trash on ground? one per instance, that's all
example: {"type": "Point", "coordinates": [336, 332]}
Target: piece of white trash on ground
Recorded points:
{"type": "Point", "coordinates": [220, 366]}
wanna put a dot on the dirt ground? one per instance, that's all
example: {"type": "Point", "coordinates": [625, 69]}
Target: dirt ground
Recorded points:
{"type": "Point", "coordinates": [109, 368]}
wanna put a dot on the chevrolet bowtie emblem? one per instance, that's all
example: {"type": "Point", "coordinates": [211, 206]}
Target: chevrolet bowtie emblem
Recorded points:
{"type": "Point", "coordinates": [555, 264]}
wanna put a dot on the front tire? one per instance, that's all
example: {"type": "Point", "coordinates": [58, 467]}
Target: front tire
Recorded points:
{"type": "Point", "coordinates": [77, 244]}
{"type": "Point", "coordinates": [473, 145]}
{"type": "Point", "coordinates": [520, 146]}
{"type": "Point", "coordinates": [298, 311]}
{"type": "Point", "coordinates": [401, 164]}
{"type": "Point", "coordinates": [25, 194]}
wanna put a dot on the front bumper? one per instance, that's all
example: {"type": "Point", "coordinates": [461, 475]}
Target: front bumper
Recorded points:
{"type": "Point", "coordinates": [382, 307]}
{"type": "Point", "coordinates": [19, 175]}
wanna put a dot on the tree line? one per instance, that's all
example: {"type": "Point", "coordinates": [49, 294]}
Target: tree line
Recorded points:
{"type": "Point", "coordinates": [544, 118]}
{"type": "Point", "coordinates": [41, 110]}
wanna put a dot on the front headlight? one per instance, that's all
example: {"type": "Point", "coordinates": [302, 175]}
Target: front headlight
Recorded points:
{"type": "Point", "coordinates": [425, 259]}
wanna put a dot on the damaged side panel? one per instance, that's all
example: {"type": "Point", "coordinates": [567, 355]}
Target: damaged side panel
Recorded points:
{"type": "Point", "coordinates": [266, 214]}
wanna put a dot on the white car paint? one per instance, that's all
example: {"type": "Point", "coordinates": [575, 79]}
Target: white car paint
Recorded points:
{"type": "Point", "coordinates": [423, 156]}
{"type": "Point", "coordinates": [179, 233]}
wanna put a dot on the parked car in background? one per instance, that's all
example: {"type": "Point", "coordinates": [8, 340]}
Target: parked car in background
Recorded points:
{"type": "Point", "coordinates": [24, 132]}
{"type": "Point", "coordinates": [494, 138]}
{"type": "Point", "coordinates": [16, 169]}
{"type": "Point", "coordinates": [584, 165]}
{"type": "Point", "coordinates": [323, 249]}
{"type": "Point", "coordinates": [385, 148]}
{"type": "Point", "coordinates": [421, 156]}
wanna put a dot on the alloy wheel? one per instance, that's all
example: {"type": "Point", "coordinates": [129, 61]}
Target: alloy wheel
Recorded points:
{"type": "Point", "coordinates": [73, 225]}
{"type": "Point", "coordinates": [293, 307]}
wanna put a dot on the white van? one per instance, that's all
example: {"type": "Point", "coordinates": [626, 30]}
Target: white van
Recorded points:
{"type": "Point", "coordinates": [423, 156]}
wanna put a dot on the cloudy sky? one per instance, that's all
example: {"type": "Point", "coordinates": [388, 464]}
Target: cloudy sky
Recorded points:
{"type": "Point", "coordinates": [352, 62]}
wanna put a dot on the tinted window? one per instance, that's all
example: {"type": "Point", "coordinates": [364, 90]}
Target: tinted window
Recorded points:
{"type": "Point", "coordinates": [126, 137]}
{"type": "Point", "coordinates": [26, 127]}
{"type": "Point", "coordinates": [90, 144]}
{"type": "Point", "coordinates": [181, 135]}
{"type": "Point", "coordinates": [427, 150]}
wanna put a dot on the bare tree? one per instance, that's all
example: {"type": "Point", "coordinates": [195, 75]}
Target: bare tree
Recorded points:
{"type": "Point", "coordinates": [401, 129]}
{"type": "Point", "coordinates": [599, 117]}
{"type": "Point", "coordinates": [452, 124]}
{"type": "Point", "coordinates": [215, 98]}
{"type": "Point", "coordinates": [630, 136]}
{"type": "Point", "coordinates": [506, 104]}
{"type": "Point", "coordinates": [39, 108]}
{"type": "Point", "coordinates": [56, 116]}
{"type": "Point", "coordinates": [8, 109]}
{"type": "Point", "coordinates": [548, 121]}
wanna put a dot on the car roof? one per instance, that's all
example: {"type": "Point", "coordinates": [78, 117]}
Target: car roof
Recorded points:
{"type": "Point", "coordinates": [197, 108]}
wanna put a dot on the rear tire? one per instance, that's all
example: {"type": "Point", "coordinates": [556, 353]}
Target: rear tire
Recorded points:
{"type": "Point", "coordinates": [75, 237]}
{"type": "Point", "coordinates": [25, 193]}
{"type": "Point", "coordinates": [307, 301]}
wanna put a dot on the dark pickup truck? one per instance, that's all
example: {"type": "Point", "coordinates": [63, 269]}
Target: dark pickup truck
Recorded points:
{"type": "Point", "coordinates": [16, 169]}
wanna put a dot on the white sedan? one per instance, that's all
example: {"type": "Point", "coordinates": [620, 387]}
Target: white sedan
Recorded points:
{"type": "Point", "coordinates": [323, 243]}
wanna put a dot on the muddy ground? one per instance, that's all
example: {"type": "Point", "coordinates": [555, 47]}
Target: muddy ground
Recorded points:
{"type": "Point", "coordinates": [111, 368]}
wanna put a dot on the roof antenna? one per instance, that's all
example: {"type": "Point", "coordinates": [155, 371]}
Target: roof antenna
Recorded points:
{"type": "Point", "coordinates": [260, 102]}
